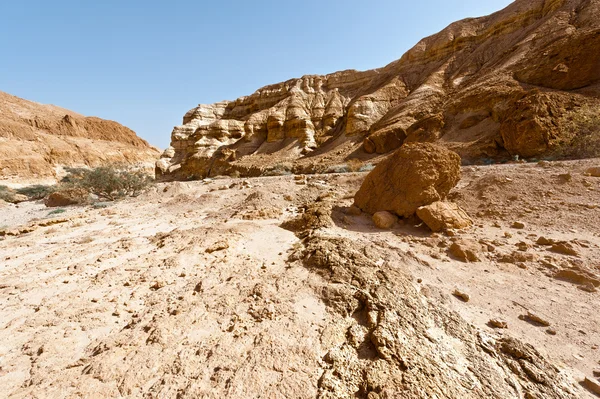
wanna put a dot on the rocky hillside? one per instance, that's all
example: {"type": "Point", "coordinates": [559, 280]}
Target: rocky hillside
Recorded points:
{"type": "Point", "coordinates": [37, 140]}
{"type": "Point", "coordinates": [524, 81]}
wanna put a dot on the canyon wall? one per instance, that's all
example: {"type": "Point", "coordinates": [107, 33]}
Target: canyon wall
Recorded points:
{"type": "Point", "coordinates": [514, 83]}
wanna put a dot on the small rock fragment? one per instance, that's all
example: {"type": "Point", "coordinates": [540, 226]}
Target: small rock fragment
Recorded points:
{"type": "Point", "coordinates": [440, 216]}
{"type": "Point", "coordinates": [498, 323]}
{"type": "Point", "coordinates": [463, 296]}
{"type": "Point", "coordinates": [465, 250]}
{"type": "Point", "coordinates": [384, 219]}
{"type": "Point", "coordinates": [532, 317]}
{"type": "Point", "coordinates": [565, 248]}
{"type": "Point", "coordinates": [545, 241]}
{"type": "Point", "coordinates": [518, 225]}
{"type": "Point", "coordinates": [594, 172]}
{"type": "Point", "coordinates": [593, 386]}
{"type": "Point", "coordinates": [217, 246]}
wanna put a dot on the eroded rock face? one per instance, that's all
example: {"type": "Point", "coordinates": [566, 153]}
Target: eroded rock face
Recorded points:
{"type": "Point", "coordinates": [492, 87]}
{"type": "Point", "coordinates": [414, 176]}
{"type": "Point", "coordinates": [36, 140]}
{"type": "Point", "coordinates": [398, 343]}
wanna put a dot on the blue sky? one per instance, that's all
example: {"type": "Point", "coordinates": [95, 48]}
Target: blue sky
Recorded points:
{"type": "Point", "coordinates": [145, 63]}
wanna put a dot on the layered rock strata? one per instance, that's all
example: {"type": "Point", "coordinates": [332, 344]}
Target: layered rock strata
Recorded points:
{"type": "Point", "coordinates": [515, 83]}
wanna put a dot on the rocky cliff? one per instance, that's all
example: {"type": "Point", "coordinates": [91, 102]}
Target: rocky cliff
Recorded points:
{"type": "Point", "coordinates": [517, 82]}
{"type": "Point", "coordinates": [37, 140]}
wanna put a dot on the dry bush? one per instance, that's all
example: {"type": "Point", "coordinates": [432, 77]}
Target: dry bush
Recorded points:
{"type": "Point", "coordinates": [36, 192]}
{"type": "Point", "coordinates": [109, 182]}
{"type": "Point", "coordinates": [584, 138]}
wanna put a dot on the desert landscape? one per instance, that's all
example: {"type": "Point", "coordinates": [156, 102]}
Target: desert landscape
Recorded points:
{"type": "Point", "coordinates": [428, 229]}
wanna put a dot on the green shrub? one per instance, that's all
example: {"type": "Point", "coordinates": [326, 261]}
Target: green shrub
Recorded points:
{"type": "Point", "coordinates": [109, 182]}
{"type": "Point", "coordinates": [57, 211]}
{"type": "Point", "coordinates": [36, 192]}
{"type": "Point", "coordinates": [7, 194]}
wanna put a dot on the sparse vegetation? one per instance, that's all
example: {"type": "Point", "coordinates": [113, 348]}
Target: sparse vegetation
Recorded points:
{"type": "Point", "coordinates": [584, 141]}
{"type": "Point", "coordinates": [7, 194]}
{"type": "Point", "coordinates": [108, 182]}
{"type": "Point", "coordinates": [57, 211]}
{"type": "Point", "coordinates": [36, 192]}
{"type": "Point", "coordinates": [279, 170]}
{"type": "Point", "coordinates": [354, 164]}
{"type": "Point", "coordinates": [367, 167]}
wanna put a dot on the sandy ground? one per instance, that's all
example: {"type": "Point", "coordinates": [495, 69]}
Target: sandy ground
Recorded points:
{"type": "Point", "coordinates": [203, 268]}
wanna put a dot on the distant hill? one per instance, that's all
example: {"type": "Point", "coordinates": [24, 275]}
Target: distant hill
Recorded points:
{"type": "Point", "coordinates": [36, 140]}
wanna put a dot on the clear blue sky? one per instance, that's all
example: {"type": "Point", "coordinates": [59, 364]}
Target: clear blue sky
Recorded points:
{"type": "Point", "coordinates": [145, 63]}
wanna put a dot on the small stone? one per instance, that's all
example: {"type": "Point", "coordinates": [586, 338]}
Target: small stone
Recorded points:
{"type": "Point", "coordinates": [594, 172]}
{"type": "Point", "coordinates": [444, 215]}
{"type": "Point", "coordinates": [157, 285]}
{"type": "Point", "coordinates": [551, 331]}
{"type": "Point", "coordinates": [532, 317]}
{"type": "Point", "coordinates": [518, 225]}
{"type": "Point", "coordinates": [463, 296]}
{"type": "Point", "coordinates": [299, 177]}
{"type": "Point", "coordinates": [565, 177]}
{"type": "Point", "coordinates": [593, 386]}
{"type": "Point", "coordinates": [596, 373]}
{"type": "Point", "coordinates": [217, 246]}
{"type": "Point", "coordinates": [498, 323]}
{"type": "Point", "coordinates": [384, 219]}
{"type": "Point", "coordinates": [545, 241]}
{"type": "Point", "coordinates": [465, 250]}
{"type": "Point", "coordinates": [353, 211]}
{"type": "Point", "coordinates": [288, 197]}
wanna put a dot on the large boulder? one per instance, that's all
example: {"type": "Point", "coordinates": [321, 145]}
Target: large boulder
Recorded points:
{"type": "Point", "coordinates": [443, 216]}
{"type": "Point", "coordinates": [416, 175]}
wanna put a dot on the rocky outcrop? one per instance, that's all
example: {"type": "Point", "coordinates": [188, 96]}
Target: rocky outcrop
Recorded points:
{"type": "Point", "coordinates": [36, 140]}
{"type": "Point", "coordinates": [414, 176]}
{"type": "Point", "coordinates": [399, 342]}
{"type": "Point", "coordinates": [494, 87]}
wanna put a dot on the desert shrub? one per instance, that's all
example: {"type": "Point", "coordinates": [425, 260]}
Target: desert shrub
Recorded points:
{"type": "Point", "coordinates": [584, 138]}
{"type": "Point", "coordinates": [109, 182]}
{"type": "Point", "coordinates": [279, 170]}
{"type": "Point", "coordinates": [7, 194]}
{"type": "Point", "coordinates": [338, 169]}
{"type": "Point", "coordinates": [36, 192]}
{"type": "Point", "coordinates": [355, 164]}
{"type": "Point", "coordinates": [367, 167]}
{"type": "Point", "coordinates": [57, 211]}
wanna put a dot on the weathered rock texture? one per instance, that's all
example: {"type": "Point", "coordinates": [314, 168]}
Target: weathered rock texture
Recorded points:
{"type": "Point", "coordinates": [37, 139]}
{"type": "Point", "coordinates": [414, 176]}
{"type": "Point", "coordinates": [444, 215]}
{"type": "Point", "coordinates": [402, 344]}
{"type": "Point", "coordinates": [507, 84]}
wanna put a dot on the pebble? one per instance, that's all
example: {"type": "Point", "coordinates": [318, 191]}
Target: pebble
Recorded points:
{"type": "Point", "coordinates": [518, 225]}
{"type": "Point", "coordinates": [463, 296]}
{"type": "Point", "coordinates": [498, 323]}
